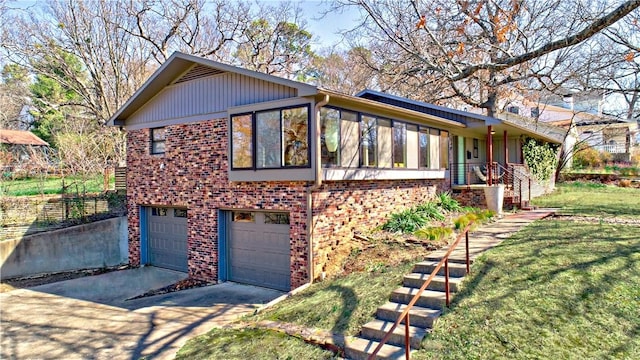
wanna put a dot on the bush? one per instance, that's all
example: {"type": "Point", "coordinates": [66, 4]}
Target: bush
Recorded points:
{"type": "Point", "coordinates": [430, 210]}
{"type": "Point", "coordinates": [406, 221]}
{"type": "Point", "coordinates": [586, 157]}
{"type": "Point", "coordinates": [434, 233]}
{"type": "Point", "coordinates": [448, 203]}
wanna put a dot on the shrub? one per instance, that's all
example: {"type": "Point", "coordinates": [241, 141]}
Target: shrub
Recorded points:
{"type": "Point", "coordinates": [430, 210]}
{"type": "Point", "coordinates": [586, 157]}
{"type": "Point", "coordinates": [435, 233]}
{"type": "Point", "coordinates": [406, 221]}
{"type": "Point", "coordinates": [448, 203]}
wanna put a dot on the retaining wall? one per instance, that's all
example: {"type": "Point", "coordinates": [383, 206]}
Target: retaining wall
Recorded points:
{"type": "Point", "coordinates": [93, 245]}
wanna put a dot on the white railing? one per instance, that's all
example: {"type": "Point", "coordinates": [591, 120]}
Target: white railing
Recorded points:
{"type": "Point", "coordinates": [612, 148]}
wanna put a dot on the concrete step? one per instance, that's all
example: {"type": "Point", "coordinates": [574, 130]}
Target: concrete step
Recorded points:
{"type": "Point", "coordinates": [377, 329]}
{"type": "Point", "coordinates": [438, 283]}
{"type": "Point", "coordinates": [426, 267]}
{"type": "Point", "coordinates": [359, 349]}
{"type": "Point", "coordinates": [418, 315]}
{"type": "Point", "coordinates": [428, 299]}
{"type": "Point", "coordinates": [457, 257]}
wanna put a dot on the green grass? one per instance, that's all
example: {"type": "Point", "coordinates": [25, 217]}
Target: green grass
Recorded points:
{"type": "Point", "coordinates": [244, 344]}
{"type": "Point", "coordinates": [593, 199]}
{"type": "Point", "coordinates": [51, 185]}
{"type": "Point", "coordinates": [558, 289]}
{"type": "Point", "coordinates": [342, 305]}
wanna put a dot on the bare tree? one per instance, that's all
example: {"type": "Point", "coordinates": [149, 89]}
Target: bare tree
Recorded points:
{"type": "Point", "coordinates": [479, 51]}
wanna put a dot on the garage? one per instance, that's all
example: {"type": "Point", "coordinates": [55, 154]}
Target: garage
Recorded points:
{"type": "Point", "coordinates": [259, 250]}
{"type": "Point", "coordinates": [167, 238]}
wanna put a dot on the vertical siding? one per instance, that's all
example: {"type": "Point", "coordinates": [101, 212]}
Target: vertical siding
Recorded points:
{"type": "Point", "coordinates": [209, 95]}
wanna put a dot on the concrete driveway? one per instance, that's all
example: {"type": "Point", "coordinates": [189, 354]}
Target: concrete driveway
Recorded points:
{"type": "Point", "coordinates": [90, 318]}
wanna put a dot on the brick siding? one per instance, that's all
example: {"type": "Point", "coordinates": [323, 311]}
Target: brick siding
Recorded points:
{"type": "Point", "coordinates": [193, 174]}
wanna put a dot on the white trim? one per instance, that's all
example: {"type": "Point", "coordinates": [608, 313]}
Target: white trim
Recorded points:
{"type": "Point", "coordinates": [177, 121]}
{"type": "Point", "coordinates": [381, 174]}
{"type": "Point", "coordinates": [268, 105]}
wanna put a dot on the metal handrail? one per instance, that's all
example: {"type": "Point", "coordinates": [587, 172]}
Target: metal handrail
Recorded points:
{"type": "Point", "coordinates": [405, 314]}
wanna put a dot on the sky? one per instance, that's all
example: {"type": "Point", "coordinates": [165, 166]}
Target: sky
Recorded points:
{"type": "Point", "coordinates": [325, 30]}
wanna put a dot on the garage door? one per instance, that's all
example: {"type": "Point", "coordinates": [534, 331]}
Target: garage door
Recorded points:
{"type": "Point", "coordinates": [259, 249]}
{"type": "Point", "coordinates": [167, 238]}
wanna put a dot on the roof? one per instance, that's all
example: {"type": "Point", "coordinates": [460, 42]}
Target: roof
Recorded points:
{"type": "Point", "coordinates": [179, 64]}
{"type": "Point", "coordinates": [464, 117]}
{"type": "Point", "coordinates": [20, 137]}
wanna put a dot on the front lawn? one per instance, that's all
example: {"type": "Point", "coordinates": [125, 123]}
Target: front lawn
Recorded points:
{"type": "Point", "coordinates": [52, 185]}
{"type": "Point", "coordinates": [593, 199]}
{"type": "Point", "coordinates": [558, 288]}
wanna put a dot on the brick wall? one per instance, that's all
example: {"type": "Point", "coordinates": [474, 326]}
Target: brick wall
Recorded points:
{"type": "Point", "coordinates": [193, 174]}
{"type": "Point", "coordinates": [341, 207]}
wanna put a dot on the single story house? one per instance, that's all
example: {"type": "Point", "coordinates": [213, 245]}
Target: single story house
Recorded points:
{"type": "Point", "coordinates": [18, 148]}
{"type": "Point", "coordinates": [235, 175]}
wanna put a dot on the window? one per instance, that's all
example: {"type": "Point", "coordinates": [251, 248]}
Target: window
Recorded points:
{"type": "Point", "coordinates": [385, 144]}
{"type": "Point", "coordinates": [180, 213]}
{"type": "Point", "coordinates": [295, 126]}
{"type": "Point", "coordinates": [158, 211]}
{"type": "Point", "coordinates": [268, 142]}
{"type": "Point", "coordinates": [513, 109]}
{"type": "Point", "coordinates": [535, 112]}
{"type": "Point", "coordinates": [423, 140]}
{"type": "Point", "coordinates": [158, 137]}
{"type": "Point", "coordinates": [434, 149]}
{"type": "Point", "coordinates": [270, 139]}
{"type": "Point", "coordinates": [242, 141]}
{"type": "Point", "coordinates": [399, 145]}
{"type": "Point", "coordinates": [330, 137]}
{"type": "Point", "coordinates": [242, 216]}
{"type": "Point", "coordinates": [369, 140]}
{"type": "Point", "coordinates": [444, 149]}
{"type": "Point", "coordinates": [276, 218]}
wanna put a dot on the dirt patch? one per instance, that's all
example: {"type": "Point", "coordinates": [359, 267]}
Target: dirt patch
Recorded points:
{"type": "Point", "coordinates": [48, 278]}
{"type": "Point", "coordinates": [375, 251]}
{"type": "Point", "coordinates": [180, 285]}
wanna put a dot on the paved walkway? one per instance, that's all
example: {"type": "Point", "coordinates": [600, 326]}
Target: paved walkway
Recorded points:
{"type": "Point", "coordinates": [492, 234]}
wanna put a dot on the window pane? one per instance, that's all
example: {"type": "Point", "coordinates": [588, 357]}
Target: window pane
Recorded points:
{"type": "Point", "coordinates": [330, 138]}
{"type": "Point", "coordinates": [444, 150]}
{"type": "Point", "coordinates": [399, 145]}
{"type": "Point", "coordinates": [385, 143]}
{"type": "Point", "coordinates": [181, 213]}
{"type": "Point", "coordinates": [159, 134]}
{"type": "Point", "coordinates": [276, 218]}
{"type": "Point", "coordinates": [424, 148]}
{"type": "Point", "coordinates": [157, 147]}
{"type": "Point", "coordinates": [368, 141]}
{"type": "Point", "coordinates": [350, 138]}
{"type": "Point", "coordinates": [158, 212]}
{"type": "Point", "coordinates": [412, 147]}
{"type": "Point", "coordinates": [242, 216]}
{"type": "Point", "coordinates": [295, 124]}
{"type": "Point", "coordinates": [268, 140]}
{"type": "Point", "coordinates": [242, 138]}
{"type": "Point", "coordinates": [434, 148]}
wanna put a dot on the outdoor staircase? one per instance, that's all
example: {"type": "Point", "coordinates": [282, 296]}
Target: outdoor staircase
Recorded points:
{"type": "Point", "coordinates": [421, 317]}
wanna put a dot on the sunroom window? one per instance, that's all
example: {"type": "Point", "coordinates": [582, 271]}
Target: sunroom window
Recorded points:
{"type": "Point", "coordinates": [330, 137]}
{"type": "Point", "coordinates": [271, 139]}
{"type": "Point", "coordinates": [399, 145]}
{"type": "Point", "coordinates": [369, 141]}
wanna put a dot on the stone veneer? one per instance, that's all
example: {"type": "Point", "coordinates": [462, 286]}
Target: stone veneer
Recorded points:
{"type": "Point", "coordinates": [193, 174]}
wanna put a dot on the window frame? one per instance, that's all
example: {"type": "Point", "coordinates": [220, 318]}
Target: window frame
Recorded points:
{"type": "Point", "coordinates": [154, 142]}
{"type": "Point", "coordinates": [254, 138]}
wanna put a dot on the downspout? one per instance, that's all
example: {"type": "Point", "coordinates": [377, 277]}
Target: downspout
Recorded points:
{"type": "Point", "coordinates": [317, 183]}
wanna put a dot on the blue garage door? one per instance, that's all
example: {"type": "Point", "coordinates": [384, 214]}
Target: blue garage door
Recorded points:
{"type": "Point", "coordinates": [259, 249]}
{"type": "Point", "coordinates": [167, 238]}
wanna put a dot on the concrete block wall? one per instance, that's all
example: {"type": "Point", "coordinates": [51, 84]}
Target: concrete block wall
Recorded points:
{"type": "Point", "coordinates": [94, 245]}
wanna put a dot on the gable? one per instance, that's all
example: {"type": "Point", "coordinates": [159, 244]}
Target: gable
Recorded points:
{"type": "Point", "coordinates": [203, 91]}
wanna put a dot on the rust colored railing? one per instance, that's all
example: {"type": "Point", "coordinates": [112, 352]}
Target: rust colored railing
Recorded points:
{"type": "Point", "coordinates": [405, 314]}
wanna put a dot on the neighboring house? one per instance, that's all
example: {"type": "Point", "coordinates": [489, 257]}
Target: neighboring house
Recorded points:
{"type": "Point", "coordinates": [242, 176]}
{"type": "Point", "coordinates": [602, 132]}
{"type": "Point", "coordinates": [20, 149]}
